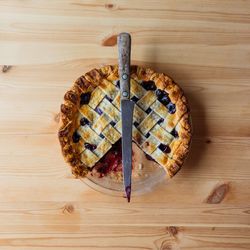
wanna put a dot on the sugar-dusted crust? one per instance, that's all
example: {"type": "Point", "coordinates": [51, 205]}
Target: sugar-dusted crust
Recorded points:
{"type": "Point", "coordinates": [103, 77]}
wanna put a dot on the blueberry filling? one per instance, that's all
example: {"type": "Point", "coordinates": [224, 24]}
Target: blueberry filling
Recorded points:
{"type": "Point", "coordinates": [112, 123]}
{"type": "Point", "coordinates": [98, 110]}
{"type": "Point", "coordinates": [76, 137]}
{"type": "Point", "coordinates": [111, 161]}
{"type": "Point", "coordinates": [136, 124]}
{"type": "Point", "coordinates": [149, 157]}
{"type": "Point", "coordinates": [160, 120]}
{"type": "Point", "coordinates": [159, 93]}
{"type": "Point", "coordinates": [162, 97]}
{"type": "Point", "coordinates": [102, 136]}
{"type": "Point", "coordinates": [84, 121]}
{"type": "Point", "coordinates": [108, 98]}
{"type": "Point", "coordinates": [165, 100]}
{"type": "Point", "coordinates": [149, 85]}
{"type": "Point", "coordinates": [147, 135]}
{"type": "Point", "coordinates": [85, 97]}
{"type": "Point", "coordinates": [174, 133]}
{"type": "Point", "coordinates": [118, 84]}
{"type": "Point", "coordinates": [171, 108]}
{"type": "Point", "coordinates": [89, 146]}
{"type": "Point", "coordinates": [148, 110]}
{"type": "Point", "coordinates": [134, 99]}
{"type": "Point", "coordinates": [164, 148]}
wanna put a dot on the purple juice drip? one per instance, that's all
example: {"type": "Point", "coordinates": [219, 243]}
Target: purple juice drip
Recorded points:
{"type": "Point", "coordinates": [128, 192]}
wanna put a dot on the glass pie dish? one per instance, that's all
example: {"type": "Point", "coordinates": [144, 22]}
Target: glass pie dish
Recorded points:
{"type": "Point", "coordinates": [91, 127]}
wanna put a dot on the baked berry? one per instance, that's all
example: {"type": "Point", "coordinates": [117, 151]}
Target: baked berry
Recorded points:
{"type": "Point", "coordinates": [149, 157]}
{"type": "Point", "coordinates": [98, 110]}
{"type": "Point", "coordinates": [149, 85]}
{"type": "Point", "coordinates": [84, 121]}
{"type": "Point", "coordinates": [164, 148]}
{"type": "Point", "coordinates": [164, 99]}
{"type": "Point", "coordinates": [136, 124]}
{"type": "Point", "coordinates": [134, 99]}
{"type": "Point", "coordinates": [76, 137]}
{"type": "Point", "coordinates": [159, 93]}
{"type": "Point", "coordinates": [112, 123]}
{"type": "Point", "coordinates": [108, 98]}
{"type": "Point", "coordinates": [160, 120]}
{"type": "Point", "coordinates": [85, 97]}
{"type": "Point", "coordinates": [89, 146]}
{"type": "Point", "coordinates": [171, 108]}
{"type": "Point", "coordinates": [174, 133]}
{"type": "Point", "coordinates": [148, 110]}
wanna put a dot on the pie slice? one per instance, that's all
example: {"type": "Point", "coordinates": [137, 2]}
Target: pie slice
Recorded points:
{"type": "Point", "coordinates": [91, 126]}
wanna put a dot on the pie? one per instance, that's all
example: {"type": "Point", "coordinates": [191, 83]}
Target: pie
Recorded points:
{"type": "Point", "coordinates": [91, 120]}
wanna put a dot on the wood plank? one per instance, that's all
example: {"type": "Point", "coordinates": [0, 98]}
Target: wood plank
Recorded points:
{"type": "Point", "coordinates": [33, 53]}
{"type": "Point", "coordinates": [116, 237]}
{"type": "Point", "coordinates": [65, 38]}
{"type": "Point", "coordinates": [203, 45]}
{"type": "Point", "coordinates": [112, 212]}
{"type": "Point", "coordinates": [186, 191]}
{"type": "Point", "coordinates": [75, 32]}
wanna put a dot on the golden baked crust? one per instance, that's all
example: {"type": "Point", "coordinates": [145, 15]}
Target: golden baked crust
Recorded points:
{"type": "Point", "coordinates": [162, 131]}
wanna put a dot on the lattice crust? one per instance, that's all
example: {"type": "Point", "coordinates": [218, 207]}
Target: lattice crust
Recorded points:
{"type": "Point", "coordinates": [162, 134]}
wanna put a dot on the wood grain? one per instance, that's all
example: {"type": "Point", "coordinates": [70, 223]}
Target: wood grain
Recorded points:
{"type": "Point", "coordinates": [203, 45]}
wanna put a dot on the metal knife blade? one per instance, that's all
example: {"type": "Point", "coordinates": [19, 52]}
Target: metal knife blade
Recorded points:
{"type": "Point", "coordinates": [127, 107]}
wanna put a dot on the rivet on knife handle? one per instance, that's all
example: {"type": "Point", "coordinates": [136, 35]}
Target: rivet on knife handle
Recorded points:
{"type": "Point", "coordinates": [124, 46]}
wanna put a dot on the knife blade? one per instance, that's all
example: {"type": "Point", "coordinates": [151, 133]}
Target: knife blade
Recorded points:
{"type": "Point", "coordinates": [127, 107]}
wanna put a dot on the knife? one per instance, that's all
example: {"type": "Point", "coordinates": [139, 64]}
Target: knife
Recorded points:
{"type": "Point", "coordinates": [127, 107]}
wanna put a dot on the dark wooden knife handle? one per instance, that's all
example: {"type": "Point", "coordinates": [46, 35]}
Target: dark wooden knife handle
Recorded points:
{"type": "Point", "coordinates": [124, 50]}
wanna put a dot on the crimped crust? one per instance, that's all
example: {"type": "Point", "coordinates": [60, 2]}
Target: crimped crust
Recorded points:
{"type": "Point", "coordinates": [179, 121]}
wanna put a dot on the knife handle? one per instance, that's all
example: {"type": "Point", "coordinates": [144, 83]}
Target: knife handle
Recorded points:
{"type": "Point", "coordinates": [124, 50]}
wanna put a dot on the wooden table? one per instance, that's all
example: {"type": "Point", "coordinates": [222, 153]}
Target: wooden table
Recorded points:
{"type": "Point", "coordinates": [203, 45]}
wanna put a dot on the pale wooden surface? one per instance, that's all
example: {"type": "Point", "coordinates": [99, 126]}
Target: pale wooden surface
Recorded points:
{"type": "Point", "coordinates": [203, 45]}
